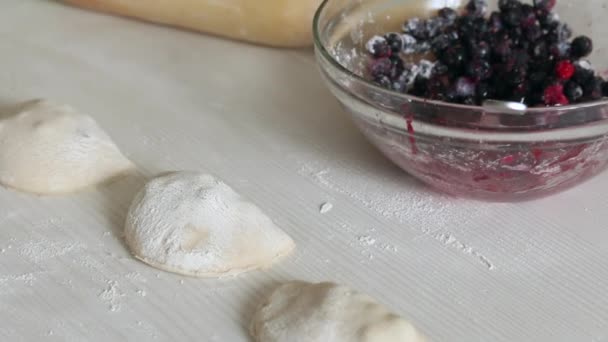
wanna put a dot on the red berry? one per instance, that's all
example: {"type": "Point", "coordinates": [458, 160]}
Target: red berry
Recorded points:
{"type": "Point", "coordinates": [554, 95]}
{"type": "Point", "coordinates": [565, 70]}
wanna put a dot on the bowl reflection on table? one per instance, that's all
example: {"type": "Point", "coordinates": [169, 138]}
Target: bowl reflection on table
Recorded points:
{"type": "Point", "coordinates": [463, 150]}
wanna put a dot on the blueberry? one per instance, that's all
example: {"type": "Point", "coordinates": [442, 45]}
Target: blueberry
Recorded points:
{"type": "Point", "coordinates": [545, 5]}
{"type": "Point", "coordinates": [407, 78]}
{"type": "Point", "coordinates": [540, 51]}
{"type": "Point", "coordinates": [502, 49]}
{"type": "Point", "coordinates": [440, 69]}
{"type": "Point", "coordinates": [560, 33]}
{"type": "Point", "coordinates": [425, 68]}
{"type": "Point", "coordinates": [512, 17]}
{"type": "Point", "coordinates": [433, 26]}
{"type": "Point", "coordinates": [394, 41]}
{"type": "Point", "coordinates": [482, 92]}
{"type": "Point", "coordinates": [378, 47]}
{"type": "Point", "coordinates": [409, 44]}
{"type": "Point", "coordinates": [422, 47]}
{"type": "Point", "coordinates": [380, 67]}
{"type": "Point", "coordinates": [495, 23]}
{"type": "Point", "coordinates": [581, 46]}
{"type": "Point", "coordinates": [528, 16]}
{"type": "Point", "coordinates": [605, 89]}
{"type": "Point", "coordinates": [464, 87]}
{"type": "Point", "coordinates": [449, 14]}
{"type": "Point", "coordinates": [507, 5]}
{"type": "Point", "coordinates": [533, 32]}
{"type": "Point", "coordinates": [582, 75]}
{"type": "Point", "coordinates": [573, 91]}
{"type": "Point", "coordinates": [592, 89]}
{"type": "Point", "coordinates": [416, 28]}
{"type": "Point", "coordinates": [481, 50]}
{"type": "Point", "coordinates": [466, 26]}
{"type": "Point", "coordinates": [420, 86]}
{"type": "Point", "coordinates": [453, 56]}
{"type": "Point", "coordinates": [479, 69]}
{"type": "Point", "coordinates": [440, 43]}
{"type": "Point", "coordinates": [397, 66]}
{"type": "Point", "coordinates": [515, 77]}
{"type": "Point", "coordinates": [384, 82]}
{"type": "Point", "coordinates": [537, 79]}
{"type": "Point", "coordinates": [477, 8]}
{"type": "Point", "coordinates": [561, 50]}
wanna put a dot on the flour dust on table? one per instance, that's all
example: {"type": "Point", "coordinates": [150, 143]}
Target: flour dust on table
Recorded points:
{"type": "Point", "coordinates": [194, 224]}
{"type": "Point", "coordinates": [47, 148]}
{"type": "Point", "coordinates": [327, 312]}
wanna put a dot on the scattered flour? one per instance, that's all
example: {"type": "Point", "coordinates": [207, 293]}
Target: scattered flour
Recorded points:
{"type": "Point", "coordinates": [326, 207]}
{"type": "Point", "coordinates": [367, 240]}
{"type": "Point", "coordinates": [112, 295]}
{"type": "Point", "coordinates": [44, 250]}
{"type": "Point", "coordinates": [415, 208]}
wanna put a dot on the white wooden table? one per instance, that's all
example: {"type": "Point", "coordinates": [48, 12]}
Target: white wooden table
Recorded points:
{"type": "Point", "coordinates": [262, 120]}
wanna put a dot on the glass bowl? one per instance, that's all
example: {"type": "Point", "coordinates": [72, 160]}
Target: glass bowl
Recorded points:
{"type": "Point", "coordinates": [463, 150]}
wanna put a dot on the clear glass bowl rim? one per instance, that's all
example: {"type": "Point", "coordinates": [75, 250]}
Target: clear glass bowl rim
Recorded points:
{"type": "Point", "coordinates": [320, 46]}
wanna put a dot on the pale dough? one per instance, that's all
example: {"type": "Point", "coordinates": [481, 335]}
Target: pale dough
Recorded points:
{"type": "Point", "coordinates": [194, 224]}
{"type": "Point", "coordinates": [51, 149]}
{"type": "Point", "coordinates": [327, 312]}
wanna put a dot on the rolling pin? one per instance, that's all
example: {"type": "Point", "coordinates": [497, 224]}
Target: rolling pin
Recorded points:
{"type": "Point", "coordinates": [280, 23]}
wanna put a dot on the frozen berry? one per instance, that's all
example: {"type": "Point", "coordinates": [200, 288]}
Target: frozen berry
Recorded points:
{"type": "Point", "coordinates": [416, 28]}
{"type": "Point", "coordinates": [425, 68]}
{"type": "Point", "coordinates": [440, 69]}
{"type": "Point", "coordinates": [384, 82]}
{"type": "Point", "coordinates": [409, 44]}
{"type": "Point", "coordinates": [482, 92]}
{"type": "Point", "coordinates": [420, 86]}
{"type": "Point", "coordinates": [394, 41]}
{"type": "Point", "coordinates": [540, 51]}
{"type": "Point", "coordinates": [453, 56]}
{"type": "Point", "coordinates": [559, 33]}
{"type": "Point", "coordinates": [481, 50]}
{"type": "Point", "coordinates": [560, 50]}
{"type": "Point", "coordinates": [564, 70]}
{"type": "Point", "coordinates": [422, 47]}
{"type": "Point", "coordinates": [507, 5]}
{"type": "Point", "coordinates": [398, 66]}
{"type": "Point", "coordinates": [554, 95]}
{"type": "Point", "coordinates": [378, 47]}
{"type": "Point", "coordinates": [433, 26]}
{"type": "Point", "coordinates": [573, 91]}
{"type": "Point", "coordinates": [581, 46]}
{"type": "Point", "coordinates": [592, 89]}
{"type": "Point", "coordinates": [545, 5]}
{"type": "Point", "coordinates": [537, 78]}
{"type": "Point", "coordinates": [479, 69]}
{"type": "Point", "coordinates": [512, 17]}
{"type": "Point", "coordinates": [440, 43]}
{"type": "Point", "coordinates": [582, 75]}
{"type": "Point", "coordinates": [464, 87]}
{"type": "Point", "coordinates": [448, 14]}
{"type": "Point", "coordinates": [533, 32]}
{"type": "Point", "coordinates": [528, 16]}
{"type": "Point", "coordinates": [605, 88]}
{"type": "Point", "coordinates": [495, 24]}
{"type": "Point", "coordinates": [477, 7]}
{"type": "Point", "coordinates": [502, 49]}
{"type": "Point", "coordinates": [380, 67]}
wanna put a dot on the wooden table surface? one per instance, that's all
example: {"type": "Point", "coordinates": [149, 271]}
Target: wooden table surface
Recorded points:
{"type": "Point", "coordinates": [262, 120]}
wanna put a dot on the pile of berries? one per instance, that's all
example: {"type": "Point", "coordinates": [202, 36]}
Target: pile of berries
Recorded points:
{"type": "Point", "coordinates": [520, 53]}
